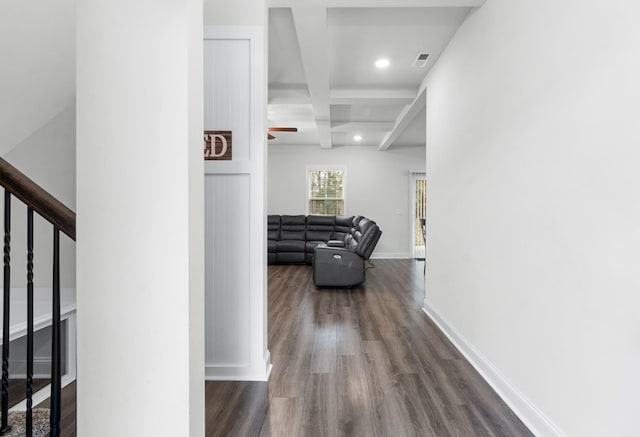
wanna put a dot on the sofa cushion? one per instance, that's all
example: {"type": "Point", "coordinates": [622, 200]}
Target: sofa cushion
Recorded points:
{"type": "Point", "coordinates": [322, 221]}
{"type": "Point", "coordinates": [273, 227]}
{"type": "Point", "coordinates": [293, 227]}
{"type": "Point", "coordinates": [319, 235]}
{"type": "Point", "coordinates": [320, 227]}
{"type": "Point", "coordinates": [290, 246]}
{"type": "Point", "coordinates": [310, 246]}
{"type": "Point", "coordinates": [291, 258]}
{"type": "Point", "coordinates": [342, 228]}
{"type": "Point", "coordinates": [369, 235]}
{"type": "Point", "coordinates": [293, 220]}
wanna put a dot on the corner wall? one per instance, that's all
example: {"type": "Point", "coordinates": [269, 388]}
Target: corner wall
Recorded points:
{"type": "Point", "coordinates": [377, 186]}
{"type": "Point", "coordinates": [532, 161]}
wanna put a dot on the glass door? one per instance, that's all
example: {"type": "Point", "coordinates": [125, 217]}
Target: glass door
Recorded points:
{"type": "Point", "coordinates": [418, 187]}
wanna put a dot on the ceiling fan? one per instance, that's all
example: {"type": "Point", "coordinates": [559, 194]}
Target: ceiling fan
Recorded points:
{"type": "Point", "coordinates": [279, 129]}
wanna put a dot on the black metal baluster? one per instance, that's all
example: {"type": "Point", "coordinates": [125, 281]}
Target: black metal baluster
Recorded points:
{"type": "Point", "coordinates": [28, 418]}
{"type": "Point", "coordinates": [56, 376]}
{"type": "Point", "coordinates": [5, 313]}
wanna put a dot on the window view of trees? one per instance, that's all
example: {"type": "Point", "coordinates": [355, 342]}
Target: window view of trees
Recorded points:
{"type": "Point", "coordinates": [326, 192]}
{"type": "Point", "coordinates": [421, 212]}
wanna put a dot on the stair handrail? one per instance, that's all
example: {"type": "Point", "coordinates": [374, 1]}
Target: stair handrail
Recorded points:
{"type": "Point", "coordinates": [38, 200]}
{"type": "Point", "coordinates": [36, 197]}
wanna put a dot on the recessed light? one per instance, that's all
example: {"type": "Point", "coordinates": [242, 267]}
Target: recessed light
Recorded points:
{"type": "Point", "coordinates": [382, 63]}
{"type": "Point", "coordinates": [357, 137]}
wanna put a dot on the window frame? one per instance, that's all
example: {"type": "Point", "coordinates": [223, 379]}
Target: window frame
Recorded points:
{"type": "Point", "coordinates": [341, 168]}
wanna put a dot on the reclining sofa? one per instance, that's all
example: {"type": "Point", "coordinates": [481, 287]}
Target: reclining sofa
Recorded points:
{"type": "Point", "coordinates": [337, 247]}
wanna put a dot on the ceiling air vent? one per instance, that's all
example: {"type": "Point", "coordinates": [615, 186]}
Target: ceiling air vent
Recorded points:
{"type": "Point", "coordinates": [421, 60]}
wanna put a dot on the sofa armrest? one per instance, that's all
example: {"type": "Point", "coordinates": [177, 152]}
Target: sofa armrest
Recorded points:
{"type": "Point", "coordinates": [335, 243]}
{"type": "Point", "coordinates": [337, 267]}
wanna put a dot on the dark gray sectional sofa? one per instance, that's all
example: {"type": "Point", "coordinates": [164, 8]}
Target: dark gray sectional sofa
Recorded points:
{"type": "Point", "coordinates": [335, 246]}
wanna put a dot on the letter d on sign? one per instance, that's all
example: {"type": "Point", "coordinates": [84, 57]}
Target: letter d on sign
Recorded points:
{"type": "Point", "coordinates": [214, 144]}
{"type": "Point", "coordinates": [217, 145]}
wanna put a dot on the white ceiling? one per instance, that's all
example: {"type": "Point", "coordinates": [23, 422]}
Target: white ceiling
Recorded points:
{"type": "Point", "coordinates": [322, 77]}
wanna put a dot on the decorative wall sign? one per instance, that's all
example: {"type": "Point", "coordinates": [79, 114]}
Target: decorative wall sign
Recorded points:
{"type": "Point", "coordinates": [217, 145]}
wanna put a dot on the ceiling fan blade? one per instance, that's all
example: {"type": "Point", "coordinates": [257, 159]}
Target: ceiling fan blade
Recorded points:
{"type": "Point", "coordinates": [282, 129]}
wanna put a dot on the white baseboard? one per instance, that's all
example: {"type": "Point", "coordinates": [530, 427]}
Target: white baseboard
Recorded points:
{"type": "Point", "coordinates": [529, 414]}
{"type": "Point", "coordinates": [390, 255]}
{"type": "Point", "coordinates": [260, 372]}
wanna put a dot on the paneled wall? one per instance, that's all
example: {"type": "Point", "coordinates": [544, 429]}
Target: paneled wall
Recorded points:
{"type": "Point", "coordinates": [235, 264]}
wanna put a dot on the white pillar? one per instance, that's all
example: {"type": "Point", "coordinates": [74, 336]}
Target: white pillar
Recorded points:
{"type": "Point", "coordinates": [140, 218]}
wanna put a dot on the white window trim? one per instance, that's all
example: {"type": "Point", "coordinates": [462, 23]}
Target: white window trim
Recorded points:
{"type": "Point", "coordinates": [341, 168]}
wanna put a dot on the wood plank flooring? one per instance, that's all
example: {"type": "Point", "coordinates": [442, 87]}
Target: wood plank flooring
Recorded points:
{"type": "Point", "coordinates": [68, 410]}
{"type": "Point", "coordinates": [358, 362]}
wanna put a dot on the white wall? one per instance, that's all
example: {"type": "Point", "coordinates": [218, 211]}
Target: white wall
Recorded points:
{"type": "Point", "coordinates": [47, 156]}
{"type": "Point", "coordinates": [377, 186]}
{"type": "Point", "coordinates": [533, 217]}
{"type": "Point", "coordinates": [37, 78]}
{"type": "Point", "coordinates": [235, 13]}
{"type": "Point", "coordinates": [140, 205]}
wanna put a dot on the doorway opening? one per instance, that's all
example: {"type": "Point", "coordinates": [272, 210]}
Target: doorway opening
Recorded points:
{"type": "Point", "coordinates": [418, 193]}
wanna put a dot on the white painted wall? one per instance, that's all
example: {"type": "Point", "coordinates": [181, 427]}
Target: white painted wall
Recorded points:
{"type": "Point", "coordinates": [37, 54]}
{"type": "Point", "coordinates": [377, 186]}
{"type": "Point", "coordinates": [48, 157]}
{"type": "Point", "coordinates": [533, 226]}
{"type": "Point", "coordinates": [140, 205]}
{"type": "Point", "coordinates": [235, 13]}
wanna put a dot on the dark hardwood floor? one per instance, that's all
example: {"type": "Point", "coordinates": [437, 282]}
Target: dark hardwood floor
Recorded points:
{"type": "Point", "coordinates": [358, 362]}
{"type": "Point", "coordinates": [68, 410]}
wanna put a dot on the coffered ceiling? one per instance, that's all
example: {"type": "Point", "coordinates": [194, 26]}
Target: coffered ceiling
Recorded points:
{"type": "Point", "coordinates": [322, 77]}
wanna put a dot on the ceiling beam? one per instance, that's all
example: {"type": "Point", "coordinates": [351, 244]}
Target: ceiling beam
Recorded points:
{"type": "Point", "coordinates": [296, 94]}
{"type": "Point", "coordinates": [313, 37]}
{"type": "Point", "coordinates": [356, 96]}
{"type": "Point", "coordinates": [363, 126]}
{"type": "Point", "coordinates": [405, 118]}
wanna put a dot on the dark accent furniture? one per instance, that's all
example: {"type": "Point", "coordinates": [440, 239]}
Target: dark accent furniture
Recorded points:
{"type": "Point", "coordinates": [337, 247]}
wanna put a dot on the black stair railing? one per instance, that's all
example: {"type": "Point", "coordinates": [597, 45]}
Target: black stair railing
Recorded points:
{"type": "Point", "coordinates": [16, 184]}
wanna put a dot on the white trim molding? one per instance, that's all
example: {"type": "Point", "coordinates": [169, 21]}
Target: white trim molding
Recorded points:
{"type": "Point", "coordinates": [534, 419]}
{"type": "Point", "coordinates": [239, 373]}
{"type": "Point", "coordinates": [390, 255]}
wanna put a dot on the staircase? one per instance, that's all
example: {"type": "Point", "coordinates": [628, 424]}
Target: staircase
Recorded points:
{"type": "Point", "coordinates": [17, 185]}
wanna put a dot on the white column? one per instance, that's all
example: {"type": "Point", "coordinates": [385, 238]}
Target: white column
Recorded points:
{"type": "Point", "coordinates": [140, 227]}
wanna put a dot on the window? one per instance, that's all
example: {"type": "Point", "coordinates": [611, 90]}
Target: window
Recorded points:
{"type": "Point", "coordinates": [326, 190]}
